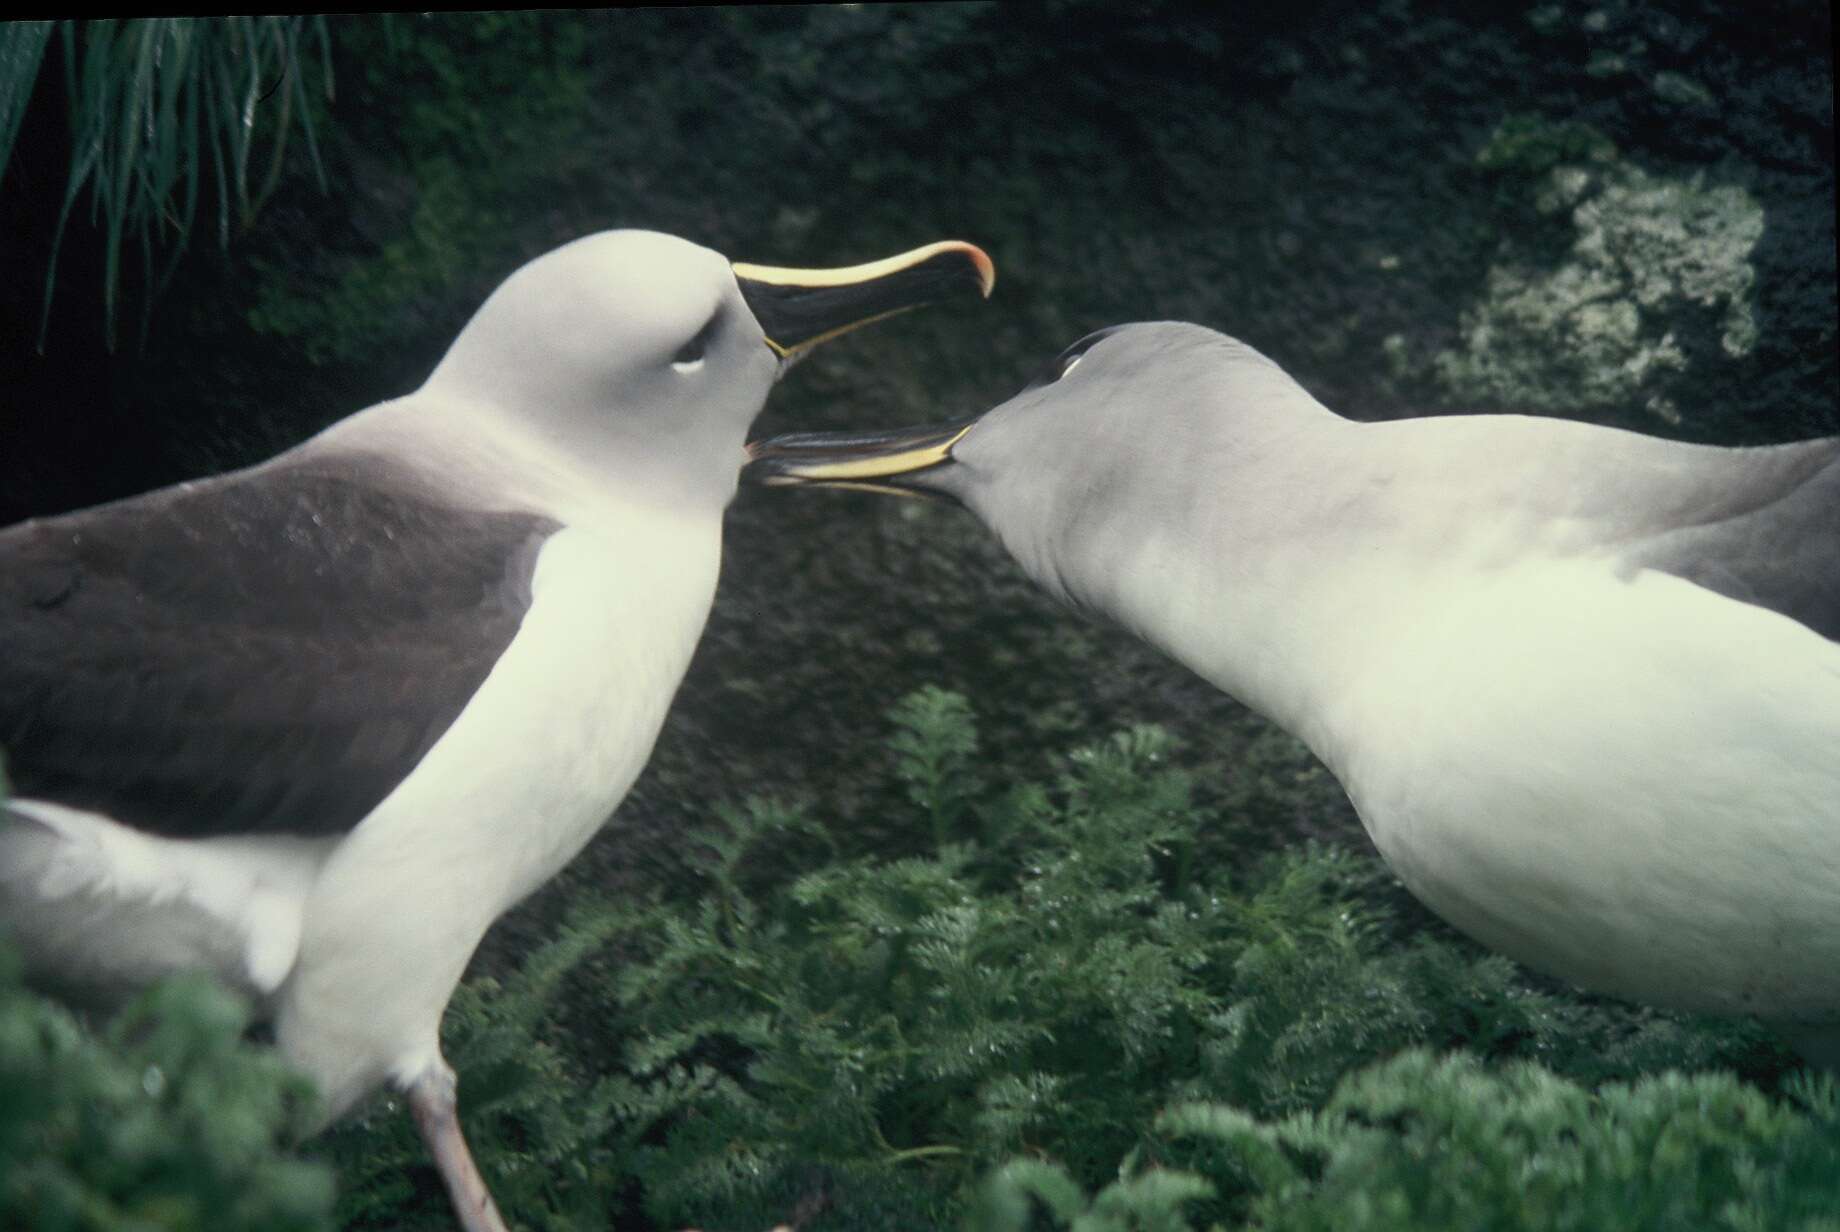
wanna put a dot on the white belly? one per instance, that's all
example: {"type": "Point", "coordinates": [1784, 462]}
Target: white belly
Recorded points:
{"type": "Point", "coordinates": [529, 771]}
{"type": "Point", "coordinates": [1631, 784]}
{"type": "Point", "coordinates": [360, 938]}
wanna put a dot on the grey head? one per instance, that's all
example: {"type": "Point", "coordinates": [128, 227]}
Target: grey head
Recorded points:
{"type": "Point", "coordinates": [645, 356]}
{"type": "Point", "coordinates": [341, 603]}
{"type": "Point", "coordinates": [1129, 434]}
{"type": "Point", "coordinates": [1469, 619]}
{"type": "Point", "coordinates": [1157, 462]}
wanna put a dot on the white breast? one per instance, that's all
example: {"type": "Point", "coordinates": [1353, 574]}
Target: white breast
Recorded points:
{"type": "Point", "coordinates": [1634, 784]}
{"type": "Point", "coordinates": [528, 772]}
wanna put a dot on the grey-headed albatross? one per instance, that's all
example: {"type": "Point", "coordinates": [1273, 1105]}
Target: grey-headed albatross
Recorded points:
{"type": "Point", "coordinates": [1582, 685]}
{"type": "Point", "coordinates": [314, 725]}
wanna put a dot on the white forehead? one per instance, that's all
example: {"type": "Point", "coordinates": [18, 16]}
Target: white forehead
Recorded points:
{"type": "Point", "coordinates": [639, 282]}
{"type": "Point", "coordinates": [578, 322]}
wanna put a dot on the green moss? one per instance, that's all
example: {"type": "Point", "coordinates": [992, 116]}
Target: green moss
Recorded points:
{"type": "Point", "coordinates": [1682, 90]}
{"type": "Point", "coordinates": [420, 267]}
{"type": "Point", "coordinates": [1531, 145]}
{"type": "Point", "coordinates": [483, 114]}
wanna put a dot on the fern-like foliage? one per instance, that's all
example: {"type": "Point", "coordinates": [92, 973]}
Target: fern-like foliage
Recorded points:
{"type": "Point", "coordinates": [1423, 1143]}
{"type": "Point", "coordinates": [935, 738]}
{"type": "Point", "coordinates": [1074, 1009]}
{"type": "Point", "coordinates": [543, 1130]}
{"type": "Point", "coordinates": [1055, 972]}
{"type": "Point", "coordinates": [166, 1119]}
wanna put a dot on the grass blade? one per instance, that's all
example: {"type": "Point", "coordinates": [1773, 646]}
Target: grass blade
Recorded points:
{"type": "Point", "coordinates": [153, 101]}
{"type": "Point", "coordinates": [22, 49]}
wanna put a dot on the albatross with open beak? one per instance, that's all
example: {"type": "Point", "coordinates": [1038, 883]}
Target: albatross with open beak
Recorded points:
{"type": "Point", "coordinates": [1582, 685]}
{"type": "Point", "coordinates": [314, 725]}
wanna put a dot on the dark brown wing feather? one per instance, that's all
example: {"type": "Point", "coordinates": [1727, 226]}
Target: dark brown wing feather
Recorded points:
{"type": "Point", "coordinates": [270, 651]}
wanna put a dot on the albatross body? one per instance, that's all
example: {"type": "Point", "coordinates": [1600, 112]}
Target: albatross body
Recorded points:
{"type": "Point", "coordinates": [1582, 685]}
{"type": "Point", "coordinates": [314, 725]}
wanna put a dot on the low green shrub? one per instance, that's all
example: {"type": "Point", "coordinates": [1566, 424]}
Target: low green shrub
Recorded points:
{"type": "Point", "coordinates": [853, 1029]}
{"type": "Point", "coordinates": [1422, 1143]}
{"type": "Point", "coordinates": [541, 1128]}
{"type": "Point", "coordinates": [166, 1119]}
{"type": "Point", "coordinates": [977, 1025]}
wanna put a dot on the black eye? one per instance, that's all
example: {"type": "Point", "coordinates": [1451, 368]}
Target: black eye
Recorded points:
{"type": "Point", "coordinates": [690, 354]}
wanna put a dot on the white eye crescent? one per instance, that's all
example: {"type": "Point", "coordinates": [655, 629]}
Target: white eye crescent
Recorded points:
{"type": "Point", "coordinates": [689, 357]}
{"type": "Point", "coordinates": [1072, 364]}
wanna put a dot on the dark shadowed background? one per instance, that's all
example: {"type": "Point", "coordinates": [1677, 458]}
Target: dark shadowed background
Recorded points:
{"type": "Point", "coordinates": [1615, 212]}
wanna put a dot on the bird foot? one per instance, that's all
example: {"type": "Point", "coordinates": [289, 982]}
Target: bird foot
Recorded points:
{"type": "Point", "coordinates": [432, 1100]}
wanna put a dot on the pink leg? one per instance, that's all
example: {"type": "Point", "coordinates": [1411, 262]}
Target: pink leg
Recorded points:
{"type": "Point", "coordinates": [431, 1099]}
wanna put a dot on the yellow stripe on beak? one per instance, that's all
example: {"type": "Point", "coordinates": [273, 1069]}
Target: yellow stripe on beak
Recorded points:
{"type": "Point", "coordinates": [787, 352]}
{"type": "Point", "coordinates": [877, 466]}
{"type": "Point", "coordinates": [799, 308]}
{"type": "Point", "coordinates": [850, 275]}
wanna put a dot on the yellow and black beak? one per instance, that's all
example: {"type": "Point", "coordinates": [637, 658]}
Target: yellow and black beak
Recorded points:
{"type": "Point", "coordinates": [799, 308]}
{"type": "Point", "coordinates": [904, 462]}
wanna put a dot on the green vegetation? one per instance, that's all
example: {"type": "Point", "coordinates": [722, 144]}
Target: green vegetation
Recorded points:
{"type": "Point", "coordinates": [164, 117]}
{"type": "Point", "coordinates": [543, 1126]}
{"type": "Point", "coordinates": [22, 46]}
{"type": "Point", "coordinates": [1419, 1142]}
{"type": "Point", "coordinates": [469, 171]}
{"type": "Point", "coordinates": [165, 1120]}
{"type": "Point", "coordinates": [968, 955]}
{"type": "Point", "coordinates": [1047, 990]}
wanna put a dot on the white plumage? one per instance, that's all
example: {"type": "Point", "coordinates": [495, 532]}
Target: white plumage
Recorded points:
{"type": "Point", "coordinates": [1581, 685]}
{"type": "Point", "coordinates": [315, 725]}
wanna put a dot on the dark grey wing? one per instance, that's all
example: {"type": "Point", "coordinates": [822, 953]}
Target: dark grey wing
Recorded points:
{"type": "Point", "coordinates": [1775, 541]}
{"type": "Point", "coordinates": [270, 651]}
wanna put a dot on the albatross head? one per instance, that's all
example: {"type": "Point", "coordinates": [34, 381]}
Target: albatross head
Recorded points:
{"type": "Point", "coordinates": [644, 357]}
{"type": "Point", "coordinates": [1116, 441]}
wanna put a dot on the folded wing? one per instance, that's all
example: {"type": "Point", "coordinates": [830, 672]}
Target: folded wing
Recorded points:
{"type": "Point", "coordinates": [270, 652]}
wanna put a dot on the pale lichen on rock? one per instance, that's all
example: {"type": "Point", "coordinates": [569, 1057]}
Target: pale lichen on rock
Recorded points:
{"type": "Point", "coordinates": [1599, 328]}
